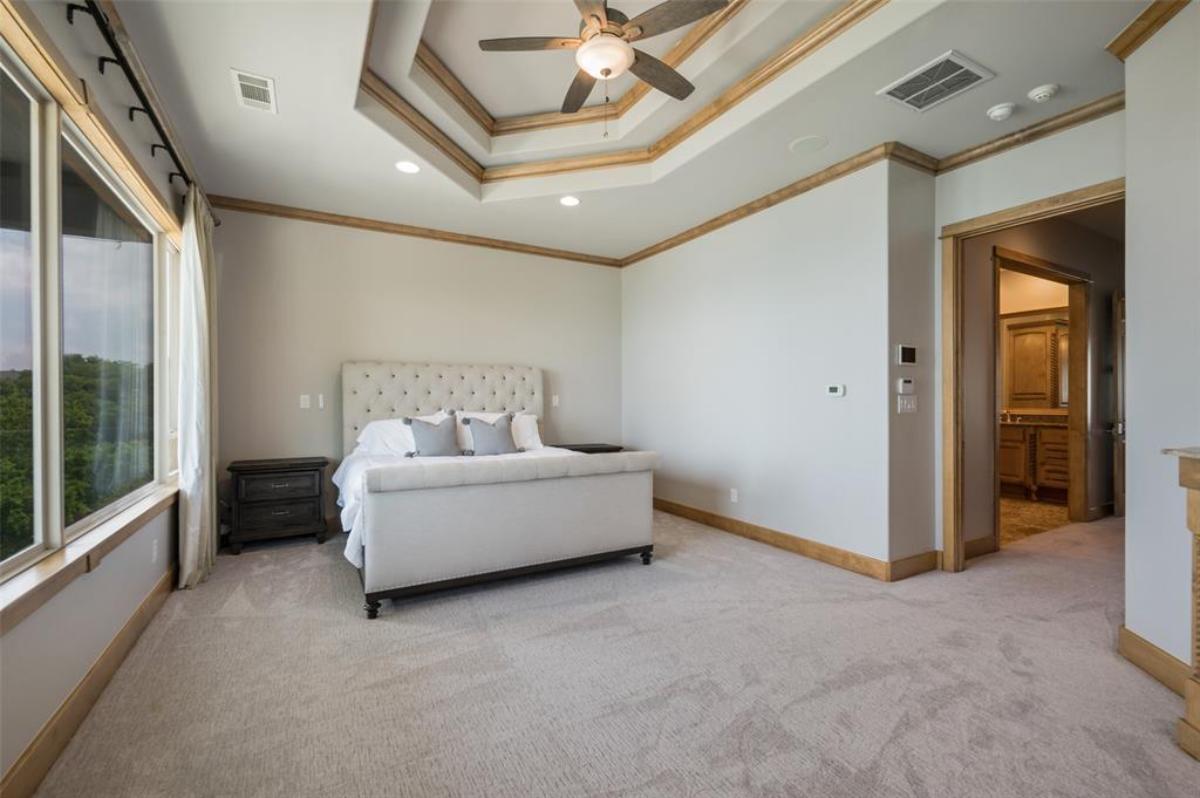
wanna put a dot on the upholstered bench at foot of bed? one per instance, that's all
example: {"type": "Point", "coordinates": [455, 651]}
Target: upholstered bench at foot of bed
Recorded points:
{"type": "Point", "coordinates": [449, 524]}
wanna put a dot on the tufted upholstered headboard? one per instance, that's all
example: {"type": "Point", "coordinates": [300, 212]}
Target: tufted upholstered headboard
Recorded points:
{"type": "Point", "coordinates": [375, 390]}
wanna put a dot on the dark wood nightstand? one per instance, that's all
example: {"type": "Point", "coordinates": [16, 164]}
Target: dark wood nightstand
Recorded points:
{"type": "Point", "coordinates": [590, 448]}
{"type": "Point", "coordinates": [277, 499]}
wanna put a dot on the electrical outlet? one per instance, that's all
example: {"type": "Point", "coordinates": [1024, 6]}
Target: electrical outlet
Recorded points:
{"type": "Point", "coordinates": [554, 400]}
{"type": "Point", "coordinates": [305, 401]}
{"type": "Point", "coordinates": [733, 495]}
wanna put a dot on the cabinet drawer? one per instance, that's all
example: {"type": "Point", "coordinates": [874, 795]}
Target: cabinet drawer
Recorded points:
{"type": "Point", "coordinates": [274, 487]}
{"type": "Point", "coordinates": [280, 516]}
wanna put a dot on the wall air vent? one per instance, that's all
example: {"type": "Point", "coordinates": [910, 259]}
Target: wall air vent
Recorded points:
{"type": "Point", "coordinates": [254, 91]}
{"type": "Point", "coordinates": [942, 78]}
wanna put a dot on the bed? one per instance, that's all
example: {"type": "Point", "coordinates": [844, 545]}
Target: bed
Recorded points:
{"type": "Point", "coordinates": [420, 524]}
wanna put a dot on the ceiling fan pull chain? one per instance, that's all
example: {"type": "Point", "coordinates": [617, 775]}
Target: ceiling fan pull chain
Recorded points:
{"type": "Point", "coordinates": [605, 106]}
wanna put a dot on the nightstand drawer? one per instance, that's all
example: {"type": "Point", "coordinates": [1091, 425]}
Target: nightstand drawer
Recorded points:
{"type": "Point", "coordinates": [281, 516]}
{"type": "Point", "coordinates": [274, 487]}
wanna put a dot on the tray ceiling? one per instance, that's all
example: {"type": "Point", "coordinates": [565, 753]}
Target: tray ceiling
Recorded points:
{"type": "Point", "coordinates": [324, 152]}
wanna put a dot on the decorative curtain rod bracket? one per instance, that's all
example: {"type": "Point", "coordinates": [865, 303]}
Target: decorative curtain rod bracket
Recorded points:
{"type": "Point", "coordinates": [72, 8]}
{"type": "Point", "coordinates": [106, 60]}
{"type": "Point", "coordinates": [136, 109]}
{"type": "Point", "coordinates": [155, 147]}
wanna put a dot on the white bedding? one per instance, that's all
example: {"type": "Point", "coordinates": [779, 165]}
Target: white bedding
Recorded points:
{"type": "Point", "coordinates": [350, 482]}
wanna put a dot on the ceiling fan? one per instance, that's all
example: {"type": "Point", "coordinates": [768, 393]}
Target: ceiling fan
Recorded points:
{"type": "Point", "coordinates": [603, 50]}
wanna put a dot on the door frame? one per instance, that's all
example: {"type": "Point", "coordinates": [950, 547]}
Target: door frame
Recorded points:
{"type": "Point", "coordinates": [952, 237]}
{"type": "Point", "coordinates": [1079, 305]}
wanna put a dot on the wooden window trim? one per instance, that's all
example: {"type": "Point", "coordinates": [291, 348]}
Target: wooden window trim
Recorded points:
{"type": "Point", "coordinates": [29, 589]}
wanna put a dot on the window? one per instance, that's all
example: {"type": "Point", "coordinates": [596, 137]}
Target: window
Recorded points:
{"type": "Point", "coordinates": [18, 531]}
{"type": "Point", "coordinates": [84, 311]}
{"type": "Point", "coordinates": [107, 316]}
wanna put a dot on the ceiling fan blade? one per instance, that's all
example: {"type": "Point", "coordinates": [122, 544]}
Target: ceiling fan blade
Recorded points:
{"type": "Point", "coordinates": [593, 8]}
{"type": "Point", "coordinates": [521, 43]}
{"type": "Point", "coordinates": [672, 14]}
{"type": "Point", "coordinates": [581, 87]}
{"type": "Point", "coordinates": [660, 76]}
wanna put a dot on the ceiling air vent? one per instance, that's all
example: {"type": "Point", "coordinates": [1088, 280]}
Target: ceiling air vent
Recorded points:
{"type": "Point", "coordinates": [254, 91]}
{"type": "Point", "coordinates": [939, 80]}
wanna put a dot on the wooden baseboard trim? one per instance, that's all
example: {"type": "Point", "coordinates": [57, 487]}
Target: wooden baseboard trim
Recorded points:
{"type": "Point", "coordinates": [1172, 672]}
{"type": "Point", "coordinates": [911, 566]}
{"type": "Point", "coordinates": [27, 772]}
{"type": "Point", "coordinates": [823, 552]}
{"type": "Point", "coordinates": [979, 547]}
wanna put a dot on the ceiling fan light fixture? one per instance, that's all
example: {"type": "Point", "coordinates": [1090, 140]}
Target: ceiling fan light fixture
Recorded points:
{"type": "Point", "coordinates": [605, 56]}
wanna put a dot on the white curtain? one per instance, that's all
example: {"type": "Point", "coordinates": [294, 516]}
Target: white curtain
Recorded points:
{"type": "Point", "coordinates": [198, 517]}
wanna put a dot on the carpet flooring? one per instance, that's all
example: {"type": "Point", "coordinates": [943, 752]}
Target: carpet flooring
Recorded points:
{"type": "Point", "coordinates": [1020, 518]}
{"type": "Point", "coordinates": [727, 668]}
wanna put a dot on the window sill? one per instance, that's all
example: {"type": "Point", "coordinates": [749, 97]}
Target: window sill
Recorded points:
{"type": "Point", "coordinates": [29, 589]}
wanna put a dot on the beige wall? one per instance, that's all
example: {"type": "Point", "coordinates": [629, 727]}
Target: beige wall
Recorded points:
{"type": "Point", "coordinates": [299, 298]}
{"type": "Point", "coordinates": [1081, 250]}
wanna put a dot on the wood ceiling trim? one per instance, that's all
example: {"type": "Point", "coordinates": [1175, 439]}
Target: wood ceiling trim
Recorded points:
{"type": "Point", "coordinates": [811, 40]}
{"type": "Point", "coordinates": [1145, 25]}
{"type": "Point", "coordinates": [804, 184]}
{"type": "Point", "coordinates": [377, 88]}
{"type": "Point", "coordinates": [379, 226]}
{"type": "Point", "coordinates": [1048, 127]}
{"type": "Point", "coordinates": [824, 32]}
{"type": "Point", "coordinates": [700, 33]}
{"type": "Point", "coordinates": [428, 60]}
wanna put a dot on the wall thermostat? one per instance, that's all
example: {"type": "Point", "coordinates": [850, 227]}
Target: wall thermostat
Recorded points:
{"type": "Point", "coordinates": [906, 355]}
{"type": "Point", "coordinates": [835, 390]}
{"type": "Point", "coordinates": [905, 386]}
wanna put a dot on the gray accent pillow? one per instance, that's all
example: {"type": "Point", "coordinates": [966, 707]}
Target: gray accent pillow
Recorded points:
{"type": "Point", "coordinates": [434, 440]}
{"type": "Point", "coordinates": [493, 438]}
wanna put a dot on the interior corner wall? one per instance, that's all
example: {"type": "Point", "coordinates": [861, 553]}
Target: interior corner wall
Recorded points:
{"type": "Point", "coordinates": [1081, 156]}
{"type": "Point", "coordinates": [728, 344]}
{"type": "Point", "coordinates": [910, 290]}
{"type": "Point", "coordinates": [1162, 80]}
{"type": "Point", "coordinates": [1079, 249]}
{"type": "Point", "coordinates": [297, 299]}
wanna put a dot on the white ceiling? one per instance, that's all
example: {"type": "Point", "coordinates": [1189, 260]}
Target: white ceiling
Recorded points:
{"type": "Point", "coordinates": [320, 153]}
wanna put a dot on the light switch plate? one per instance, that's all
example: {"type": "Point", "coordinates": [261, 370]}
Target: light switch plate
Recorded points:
{"type": "Point", "coordinates": [554, 400]}
{"type": "Point", "coordinates": [906, 404]}
{"type": "Point", "coordinates": [305, 401]}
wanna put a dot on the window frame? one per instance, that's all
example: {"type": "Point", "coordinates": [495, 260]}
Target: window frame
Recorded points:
{"type": "Point", "coordinates": [52, 131]}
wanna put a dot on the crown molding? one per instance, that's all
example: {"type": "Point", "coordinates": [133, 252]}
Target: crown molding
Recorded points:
{"type": "Point", "coordinates": [380, 226]}
{"type": "Point", "coordinates": [433, 65]}
{"type": "Point", "coordinates": [889, 150]}
{"type": "Point", "coordinates": [892, 150]}
{"type": "Point", "coordinates": [825, 31]}
{"type": "Point", "coordinates": [1047, 127]}
{"type": "Point", "coordinates": [1144, 25]}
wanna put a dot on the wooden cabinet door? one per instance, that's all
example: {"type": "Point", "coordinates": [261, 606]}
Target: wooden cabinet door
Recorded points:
{"type": "Point", "coordinates": [1013, 457]}
{"type": "Point", "coordinates": [1032, 356]}
{"type": "Point", "coordinates": [1053, 468]}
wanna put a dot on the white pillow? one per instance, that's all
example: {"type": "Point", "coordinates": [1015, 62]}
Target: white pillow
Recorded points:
{"type": "Point", "coordinates": [525, 432]}
{"type": "Point", "coordinates": [391, 436]}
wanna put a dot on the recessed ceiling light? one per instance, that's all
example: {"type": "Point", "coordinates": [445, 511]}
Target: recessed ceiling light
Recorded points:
{"type": "Point", "coordinates": [568, 201]}
{"type": "Point", "coordinates": [806, 144]}
{"type": "Point", "coordinates": [998, 113]}
{"type": "Point", "coordinates": [407, 167]}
